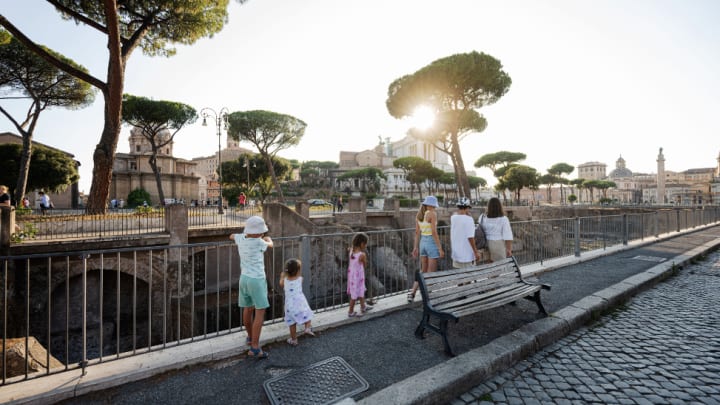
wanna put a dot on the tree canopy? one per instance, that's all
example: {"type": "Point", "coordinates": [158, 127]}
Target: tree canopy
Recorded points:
{"type": "Point", "coordinates": [26, 76]}
{"type": "Point", "coordinates": [52, 170]}
{"type": "Point", "coordinates": [519, 177]}
{"type": "Point", "coordinates": [154, 26]}
{"type": "Point", "coordinates": [369, 178]}
{"type": "Point", "coordinates": [416, 169]}
{"type": "Point", "coordinates": [270, 132]}
{"type": "Point", "coordinates": [453, 87]}
{"type": "Point", "coordinates": [249, 170]}
{"type": "Point", "coordinates": [154, 117]}
{"type": "Point", "coordinates": [559, 170]}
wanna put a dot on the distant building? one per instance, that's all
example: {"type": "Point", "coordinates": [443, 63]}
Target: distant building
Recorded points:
{"type": "Point", "coordinates": [70, 198]}
{"type": "Point", "coordinates": [382, 157]}
{"type": "Point", "coordinates": [207, 170]}
{"type": "Point", "coordinates": [591, 171]}
{"type": "Point", "coordinates": [132, 170]}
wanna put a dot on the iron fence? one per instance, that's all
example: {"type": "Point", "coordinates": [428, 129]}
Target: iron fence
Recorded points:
{"type": "Point", "coordinates": [90, 307]}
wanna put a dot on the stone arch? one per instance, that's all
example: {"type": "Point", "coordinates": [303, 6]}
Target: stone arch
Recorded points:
{"type": "Point", "coordinates": [110, 328]}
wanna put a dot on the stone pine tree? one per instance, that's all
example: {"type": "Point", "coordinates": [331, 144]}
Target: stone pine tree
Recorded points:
{"type": "Point", "coordinates": [559, 170]}
{"type": "Point", "coordinates": [26, 77]}
{"type": "Point", "coordinates": [499, 163]}
{"type": "Point", "coordinates": [454, 87]}
{"type": "Point", "coordinates": [51, 170]}
{"type": "Point", "coordinates": [270, 132]}
{"type": "Point", "coordinates": [519, 177]}
{"type": "Point", "coordinates": [416, 171]}
{"type": "Point", "coordinates": [154, 26]}
{"type": "Point", "coordinates": [153, 117]}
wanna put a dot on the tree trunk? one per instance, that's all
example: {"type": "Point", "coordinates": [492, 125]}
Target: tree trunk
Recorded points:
{"type": "Point", "coordinates": [24, 170]}
{"type": "Point", "coordinates": [271, 168]}
{"type": "Point", "coordinates": [104, 154]}
{"type": "Point", "coordinates": [153, 165]}
{"type": "Point", "coordinates": [460, 175]}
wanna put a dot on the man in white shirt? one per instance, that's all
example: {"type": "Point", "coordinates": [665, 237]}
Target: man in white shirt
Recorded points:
{"type": "Point", "coordinates": [462, 236]}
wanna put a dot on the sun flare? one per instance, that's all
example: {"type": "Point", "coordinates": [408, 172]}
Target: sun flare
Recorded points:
{"type": "Point", "coordinates": [423, 117]}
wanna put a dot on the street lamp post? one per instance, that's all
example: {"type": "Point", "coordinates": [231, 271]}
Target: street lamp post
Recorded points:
{"type": "Point", "coordinates": [247, 165]}
{"type": "Point", "coordinates": [221, 121]}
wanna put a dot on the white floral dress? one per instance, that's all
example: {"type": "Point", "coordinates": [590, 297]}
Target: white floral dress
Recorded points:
{"type": "Point", "coordinates": [297, 309]}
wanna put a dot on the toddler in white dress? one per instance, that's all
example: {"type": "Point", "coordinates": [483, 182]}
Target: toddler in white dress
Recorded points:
{"type": "Point", "coordinates": [297, 309]}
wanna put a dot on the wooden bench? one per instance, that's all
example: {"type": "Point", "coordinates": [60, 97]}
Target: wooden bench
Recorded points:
{"type": "Point", "coordinates": [451, 294]}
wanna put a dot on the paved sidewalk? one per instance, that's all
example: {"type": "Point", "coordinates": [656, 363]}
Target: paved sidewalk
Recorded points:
{"type": "Point", "coordinates": [662, 348]}
{"type": "Point", "coordinates": [381, 347]}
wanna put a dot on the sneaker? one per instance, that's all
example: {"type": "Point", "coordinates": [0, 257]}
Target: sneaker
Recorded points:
{"type": "Point", "coordinates": [292, 342]}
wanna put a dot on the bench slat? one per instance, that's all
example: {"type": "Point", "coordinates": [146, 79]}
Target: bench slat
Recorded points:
{"type": "Point", "coordinates": [452, 294]}
{"type": "Point", "coordinates": [457, 279]}
{"type": "Point", "coordinates": [481, 286]}
{"type": "Point", "coordinates": [468, 300]}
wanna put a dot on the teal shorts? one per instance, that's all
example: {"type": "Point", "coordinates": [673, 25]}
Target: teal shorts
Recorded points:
{"type": "Point", "coordinates": [253, 292]}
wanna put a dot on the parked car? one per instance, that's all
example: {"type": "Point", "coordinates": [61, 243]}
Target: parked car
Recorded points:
{"type": "Point", "coordinates": [315, 202]}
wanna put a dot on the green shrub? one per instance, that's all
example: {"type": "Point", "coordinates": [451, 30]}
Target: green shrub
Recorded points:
{"type": "Point", "coordinates": [138, 197]}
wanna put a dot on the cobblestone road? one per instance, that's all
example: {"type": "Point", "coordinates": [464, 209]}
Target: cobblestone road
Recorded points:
{"type": "Point", "coordinates": [663, 347]}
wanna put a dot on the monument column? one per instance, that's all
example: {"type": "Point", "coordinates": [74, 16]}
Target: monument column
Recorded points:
{"type": "Point", "coordinates": [661, 178]}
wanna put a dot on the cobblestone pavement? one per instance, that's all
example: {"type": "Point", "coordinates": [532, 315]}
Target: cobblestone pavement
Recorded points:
{"type": "Point", "coordinates": [663, 347]}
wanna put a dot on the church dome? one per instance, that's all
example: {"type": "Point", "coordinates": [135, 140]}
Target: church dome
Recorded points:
{"type": "Point", "coordinates": [620, 170]}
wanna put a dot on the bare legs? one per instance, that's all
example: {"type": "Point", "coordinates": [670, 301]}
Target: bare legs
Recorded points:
{"type": "Point", "coordinates": [427, 265]}
{"type": "Point", "coordinates": [253, 321]}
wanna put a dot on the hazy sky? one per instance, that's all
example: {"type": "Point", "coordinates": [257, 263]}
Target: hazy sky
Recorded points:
{"type": "Point", "coordinates": [592, 80]}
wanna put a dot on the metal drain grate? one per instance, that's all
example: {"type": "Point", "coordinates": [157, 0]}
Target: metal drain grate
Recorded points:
{"type": "Point", "coordinates": [321, 383]}
{"type": "Point", "coordinates": [650, 258]}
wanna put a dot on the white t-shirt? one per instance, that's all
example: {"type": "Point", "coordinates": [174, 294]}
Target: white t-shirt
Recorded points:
{"type": "Point", "coordinates": [462, 227]}
{"type": "Point", "coordinates": [496, 228]}
{"type": "Point", "coordinates": [252, 258]}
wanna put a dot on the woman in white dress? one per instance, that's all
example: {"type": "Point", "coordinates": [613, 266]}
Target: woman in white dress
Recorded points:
{"type": "Point", "coordinates": [497, 230]}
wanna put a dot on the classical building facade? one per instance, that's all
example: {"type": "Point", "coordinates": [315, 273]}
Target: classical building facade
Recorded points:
{"type": "Point", "coordinates": [132, 170]}
{"type": "Point", "coordinates": [207, 171]}
{"type": "Point", "coordinates": [382, 157]}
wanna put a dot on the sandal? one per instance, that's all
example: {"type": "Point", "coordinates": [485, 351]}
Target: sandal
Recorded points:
{"type": "Point", "coordinates": [292, 342]}
{"type": "Point", "coordinates": [257, 353]}
{"type": "Point", "coordinates": [248, 340]}
{"type": "Point", "coordinates": [309, 332]}
{"type": "Point", "coordinates": [367, 308]}
{"type": "Point", "coordinates": [411, 297]}
{"type": "Point", "coordinates": [354, 314]}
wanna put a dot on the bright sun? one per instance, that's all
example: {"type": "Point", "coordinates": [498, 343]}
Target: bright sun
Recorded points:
{"type": "Point", "coordinates": [423, 117]}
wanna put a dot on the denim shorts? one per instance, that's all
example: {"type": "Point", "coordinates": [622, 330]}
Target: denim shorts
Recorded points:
{"type": "Point", "coordinates": [253, 292]}
{"type": "Point", "coordinates": [428, 247]}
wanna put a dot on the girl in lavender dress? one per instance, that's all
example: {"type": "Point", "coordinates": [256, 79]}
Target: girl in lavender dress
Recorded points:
{"type": "Point", "coordinates": [356, 275]}
{"type": "Point", "coordinates": [297, 309]}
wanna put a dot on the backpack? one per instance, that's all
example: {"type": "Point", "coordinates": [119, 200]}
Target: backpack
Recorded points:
{"type": "Point", "coordinates": [480, 240]}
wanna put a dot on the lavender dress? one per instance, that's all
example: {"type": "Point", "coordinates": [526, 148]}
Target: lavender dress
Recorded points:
{"type": "Point", "coordinates": [356, 276]}
{"type": "Point", "coordinates": [297, 309]}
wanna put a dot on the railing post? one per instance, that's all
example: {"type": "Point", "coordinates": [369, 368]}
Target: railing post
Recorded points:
{"type": "Point", "coordinates": [84, 361]}
{"type": "Point", "coordinates": [625, 229]}
{"type": "Point", "coordinates": [677, 212]}
{"type": "Point", "coordinates": [7, 228]}
{"type": "Point", "coordinates": [657, 224]}
{"type": "Point", "coordinates": [577, 236]}
{"type": "Point", "coordinates": [306, 258]}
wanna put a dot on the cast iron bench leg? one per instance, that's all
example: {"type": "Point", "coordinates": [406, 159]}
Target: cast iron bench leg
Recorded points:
{"type": "Point", "coordinates": [419, 331]}
{"type": "Point", "coordinates": [443, 333]}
